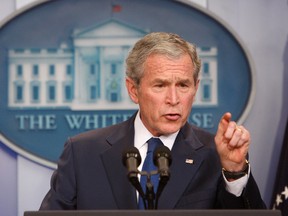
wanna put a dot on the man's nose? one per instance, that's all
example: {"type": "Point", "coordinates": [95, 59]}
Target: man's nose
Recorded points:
{"type": "Point", "coordinates": [172, 96]}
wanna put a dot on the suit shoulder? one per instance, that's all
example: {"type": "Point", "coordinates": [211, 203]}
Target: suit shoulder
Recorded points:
{"type": "Point", "coordinates": [205, 137]}
{"type": "Point", "coordinates": [201, 132]}
{"type": "Point", "coordinates": [100, 135]}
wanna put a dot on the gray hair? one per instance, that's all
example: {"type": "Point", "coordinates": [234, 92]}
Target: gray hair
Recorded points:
{"type": "Point", "coordinates": [169, 44]}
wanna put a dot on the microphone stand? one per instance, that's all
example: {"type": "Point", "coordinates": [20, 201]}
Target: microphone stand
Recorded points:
{"type": "Point", "coordinates": [132, 160]}
{"type": "Point", "coordinates": [150, 194]}
{"type": "Point", "coordinates": [162, 183]}
{"type": "Point", "coordinates": [150, 199]}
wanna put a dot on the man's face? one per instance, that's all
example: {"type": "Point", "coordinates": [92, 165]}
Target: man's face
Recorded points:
{"type": "Point", "coordinates": [165, 93]}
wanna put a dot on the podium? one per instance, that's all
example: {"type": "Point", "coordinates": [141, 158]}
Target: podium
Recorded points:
{"type": "Point", "coordinates": [214, 212]}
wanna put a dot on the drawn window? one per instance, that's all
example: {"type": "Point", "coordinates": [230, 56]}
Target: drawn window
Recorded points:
{"type": "Point", "coordinates": [35, 70]}
{"type": "Point", "coordinates": [114, 97]}
{"type": "Point", "coordinates": [19, 71]}
{"type": "Point", "coordinates": [68, 70]}
{"type": "Point", "coordinates": [92, 69]}
{"type": "Point", "coordinates": [51, 91]}
{"type": "Point", "coordinates": [67, 92]}
{"type": "Point", "coordinates": [206, 96]}
{"type": "Point", "coordinates": [113, 68]}
{"type": "Point", "coordinates": [35, 92]}
{"type": "Point", "coordinates": [52, 70]}
{"type": "Point", "coordinates": [93, 92]}
{"type": "Point", "coordinates": [19, 92]}
{"type": "Point", "coordinates": [206, 70]}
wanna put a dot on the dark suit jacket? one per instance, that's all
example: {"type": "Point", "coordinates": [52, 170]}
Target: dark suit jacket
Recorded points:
{"type": "Point", "coordinates": [90, 174]}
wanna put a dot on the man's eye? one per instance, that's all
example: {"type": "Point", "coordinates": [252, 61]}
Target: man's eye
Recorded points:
{"type": "Point", "coordinates": [183, 85]}
{"type": "Point", "coordinates": [159, 85]}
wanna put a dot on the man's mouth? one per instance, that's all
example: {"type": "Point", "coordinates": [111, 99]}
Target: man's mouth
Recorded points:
{"type": "Point", "coordinates": [172, 116]}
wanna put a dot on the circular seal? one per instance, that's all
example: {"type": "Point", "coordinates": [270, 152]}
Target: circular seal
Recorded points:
{"type": "Point", "coordinates": [62, 68]}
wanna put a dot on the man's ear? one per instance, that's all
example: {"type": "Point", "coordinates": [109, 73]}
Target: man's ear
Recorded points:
{"type": "Point", "coordinates": [196, 89]}
{"type": "Point", "coordinates": [197, 85]}
{"type": "Point", "coordinates": [132, 90]}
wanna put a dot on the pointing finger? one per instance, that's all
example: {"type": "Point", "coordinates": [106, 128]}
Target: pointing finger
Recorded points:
{"type": "Point", "coordinates": [223, 124]}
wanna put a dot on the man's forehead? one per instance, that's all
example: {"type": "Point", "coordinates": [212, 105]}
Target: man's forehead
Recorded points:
{"type": "Point", "coordinates": [163, 64]}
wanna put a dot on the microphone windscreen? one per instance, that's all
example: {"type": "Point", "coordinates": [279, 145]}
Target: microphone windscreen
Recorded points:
{"type": "Point", "coordinates": [162, 151]}
{"type": "Point", "coordinates": [129, 152]}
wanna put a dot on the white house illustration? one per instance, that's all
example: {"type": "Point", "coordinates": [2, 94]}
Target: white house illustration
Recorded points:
{"type": "Point", "coordinates": [90, 74]}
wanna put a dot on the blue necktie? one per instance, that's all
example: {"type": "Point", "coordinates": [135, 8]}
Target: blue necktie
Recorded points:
{"type": "Point", "coordinates": [149, 166]}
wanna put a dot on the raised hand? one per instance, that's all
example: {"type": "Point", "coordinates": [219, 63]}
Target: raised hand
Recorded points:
{"type": "Point", "coordinates": [232, 142]}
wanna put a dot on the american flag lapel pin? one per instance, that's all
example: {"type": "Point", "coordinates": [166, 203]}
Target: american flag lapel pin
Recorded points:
{"type": "Point", "coordinates": [189, 161]}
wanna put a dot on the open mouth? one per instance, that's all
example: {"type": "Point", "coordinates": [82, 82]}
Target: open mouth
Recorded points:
{"type": "Point", "coordinates": [172, 117]}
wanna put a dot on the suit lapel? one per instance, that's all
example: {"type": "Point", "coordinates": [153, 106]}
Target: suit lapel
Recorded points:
{"type": "Point", "coordinates": [185, 163]}
{"type": "Point", "coordinates": [123, 192]}
{"type": "Point", "coordinates": [182, 171]}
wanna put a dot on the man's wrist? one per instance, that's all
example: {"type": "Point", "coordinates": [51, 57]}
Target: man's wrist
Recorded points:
{"type": "Point", "coordinates": [236, 175]}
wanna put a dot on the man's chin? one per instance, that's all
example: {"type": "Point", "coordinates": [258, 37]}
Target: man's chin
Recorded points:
{"type": "Point", "coordinates": [167, 131]}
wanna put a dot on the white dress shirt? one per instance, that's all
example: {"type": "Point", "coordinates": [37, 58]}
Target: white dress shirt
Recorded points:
{"type": "Point", "coordinates": [142, 135]}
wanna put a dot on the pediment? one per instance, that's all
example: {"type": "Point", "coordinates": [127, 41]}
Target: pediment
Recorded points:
{"type": "Point", "coordinates": [109, 29]}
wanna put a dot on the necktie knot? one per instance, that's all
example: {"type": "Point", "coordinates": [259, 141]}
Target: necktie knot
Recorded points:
{"type": "Point", "coordinates": [153, 143]}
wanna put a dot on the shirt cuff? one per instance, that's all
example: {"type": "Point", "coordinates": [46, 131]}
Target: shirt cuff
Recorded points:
{"type": "Point", "coordinates": [236, 187]}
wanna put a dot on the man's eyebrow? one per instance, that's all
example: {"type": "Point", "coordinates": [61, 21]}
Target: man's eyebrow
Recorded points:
{"type": "Point", "coordinates": [165, 80]}
{"type": "Point", "coordinates": [184, 80]}
{"type": "Point", "coordinates": [162, 80]}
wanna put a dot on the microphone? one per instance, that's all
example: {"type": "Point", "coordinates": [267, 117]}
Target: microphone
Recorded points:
{"type": "Point", "coordinates": [131, 159]}
{"type": "Point", "coordinates": [162, 159]}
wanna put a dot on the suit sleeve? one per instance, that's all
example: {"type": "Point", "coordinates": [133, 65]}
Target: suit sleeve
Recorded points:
{"type": "Point", "coordinates": [62, 193]}
{"type": "Point", "coordinates": [249, 199]}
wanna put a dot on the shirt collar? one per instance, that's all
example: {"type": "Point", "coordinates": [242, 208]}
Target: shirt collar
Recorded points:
{"type": "Point", "coordinates": [142, 135]}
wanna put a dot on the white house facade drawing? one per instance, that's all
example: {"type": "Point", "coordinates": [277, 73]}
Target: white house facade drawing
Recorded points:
{"type": "Point", "coordinates": [90, 74]}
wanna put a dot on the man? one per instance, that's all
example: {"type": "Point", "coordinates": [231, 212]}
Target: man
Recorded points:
{"type": "Point", "coordinates": [207, 171]}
